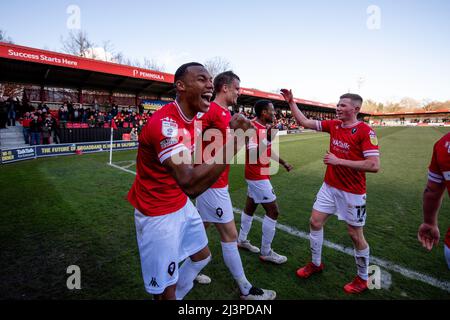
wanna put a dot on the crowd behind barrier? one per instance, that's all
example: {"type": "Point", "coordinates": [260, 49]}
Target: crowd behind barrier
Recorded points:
{"type": "Point", "coordinates": [75, 123]}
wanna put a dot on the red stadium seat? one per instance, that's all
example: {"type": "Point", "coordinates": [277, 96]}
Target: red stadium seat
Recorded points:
{"type": "Point", "coordinates": [126, 136]}
{"type": "Point", "coordinates": [106, 125]}
{"type": "Point", "coordinates": [69, 125]}
{"type": "Point", "coordinates": [77, 125]}
{"type": "Point", "coordinates": [84, 125]}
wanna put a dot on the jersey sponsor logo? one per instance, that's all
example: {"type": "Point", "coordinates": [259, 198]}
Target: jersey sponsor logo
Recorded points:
{"type": "Point", "coordinates": [153, 283]}
{"type": "Point", "coordinates": [168, 142]}
{"type": "Point", "coordinates": [169, 128]}
{"type": "Point", "coordinates": [373, 138]}
{"type": "Point", "coordinates": [171, 268]}
{"type": "Point", "coordinates": [219, 212]}
{"type": "Point", "coordinates": [340, 144]}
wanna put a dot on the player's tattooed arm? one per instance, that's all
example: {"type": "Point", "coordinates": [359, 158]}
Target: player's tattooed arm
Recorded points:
{"type": "Point", "coordinates": [428, 233]}
{"type": "Point", "coordinates": [432, 199]}
{"type": "Point", "coordinates": [298, 115]}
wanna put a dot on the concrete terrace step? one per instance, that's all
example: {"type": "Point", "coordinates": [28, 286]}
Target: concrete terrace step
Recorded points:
{"type": "Point", "coordinates": [12, 137]}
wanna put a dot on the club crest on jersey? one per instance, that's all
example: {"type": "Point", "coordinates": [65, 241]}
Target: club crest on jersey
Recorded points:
{"type": "Point", "coordinates": [219, 212]}
{"type": "Point", "coordinates": [373, 138]}
{"type": "Point", "coordinates": [200, 114]}
{"type": "Point", "coordinates": [169, 129]}
{"type": "Point", "coordinates": [171, 268]}
{"type": "Point", "coordinates": [354, 130]}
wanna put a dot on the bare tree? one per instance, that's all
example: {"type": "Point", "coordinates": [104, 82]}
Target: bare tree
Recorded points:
{"type": "Point", "coordinates": [4, 37]}
{"type": "Point", "coordinates": [108, 51]}
{"type": "Point", "coordinates": [153, 64]}
{"type": "Point", "coordinates": [119, 58]}
{"type": "Point", "coordinates": [77, 43]}
{"type": "Point", "coordinates": [217, 65]}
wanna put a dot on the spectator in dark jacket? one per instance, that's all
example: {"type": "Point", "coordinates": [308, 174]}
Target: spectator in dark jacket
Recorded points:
{"type": "Point", "coordinates": [35, 130]}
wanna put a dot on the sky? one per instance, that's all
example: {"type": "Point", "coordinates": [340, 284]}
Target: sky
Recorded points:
{"type": "Point", "coordinates": [383, 50]}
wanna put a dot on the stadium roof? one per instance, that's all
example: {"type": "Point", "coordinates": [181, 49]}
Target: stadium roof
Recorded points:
{"type": "Point", "coordinates": [41, 67]}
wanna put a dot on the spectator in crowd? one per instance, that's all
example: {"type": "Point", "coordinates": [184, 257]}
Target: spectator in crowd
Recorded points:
{"type": "Point", "coordinates": [35, 130]}
{"type": "Point", "coordinates": [63, 115]}
{"type": "Point", "coordinates": [12, 107]}
{"type": "Point", "coordinates": [47, 129]}
{"type": "Point", "coordinates": [3, 114]}
{"type": "Point", "coordinates": [26, 127]}
{"type": "Point", "coordinates": [134, 134]}
{"type": "Point", "coordinates": [71, 110]}
{"type": "Point", "coordinates": [101, 119]}
{"type": "Point", "coordinates": [92, 122]}
{"type": "Point", "coordinates": [54, 129]}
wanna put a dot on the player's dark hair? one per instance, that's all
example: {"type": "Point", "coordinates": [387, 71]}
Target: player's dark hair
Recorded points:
{"type": "Point", "coordinates": [354, 97]}
{"type": "Point", "coordinates": [224, 78]}
{"type": "Point", "coordinates": [182, 70]}
{"type": "Point", "coordinates": [260, 106]}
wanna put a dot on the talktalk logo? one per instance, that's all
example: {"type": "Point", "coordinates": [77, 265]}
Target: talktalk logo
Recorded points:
{"type": "Point", "coordinates": [148, 75]}
{"type": "Point", "coordinates": [340, 144]}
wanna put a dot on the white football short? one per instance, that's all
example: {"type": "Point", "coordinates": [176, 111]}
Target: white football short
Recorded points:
{"type": "Point", "coordinates": [347, 206]}
{"type": "Point", "coordinates": [214, 205]}
{"type": "Point", "coordinates": [261, 191]}
{"type": "Point", "coordinates": [164, 241]}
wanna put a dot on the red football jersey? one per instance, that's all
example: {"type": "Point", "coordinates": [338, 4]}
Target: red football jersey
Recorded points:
{"type": "Point", "coordinates": [260, 169]}
{"type": "Point", "coordinates": [218, 118]}
{"type": "Point", "coordinates": [355, 142]}
{"type": "Point", "coordinates": [168, 132]}
{"type": "Point", "coordinates": [439, 169]}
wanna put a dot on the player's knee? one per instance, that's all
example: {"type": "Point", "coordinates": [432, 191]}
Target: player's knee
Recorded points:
{"type": "Point", "coordinates": [315, 224]}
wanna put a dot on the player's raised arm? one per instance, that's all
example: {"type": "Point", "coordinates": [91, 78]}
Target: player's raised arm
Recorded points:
{"type": "Point", "coordinates": [195, 180]}
{"type": "Point", "coordinates": [298, 115]}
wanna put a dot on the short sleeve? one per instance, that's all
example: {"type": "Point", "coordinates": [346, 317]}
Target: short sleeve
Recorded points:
{"type": "Point", "coordinates": [166, 138]}
{"type": "Point", "coordinates": [434, 171]}
{"type": "Point", "coordinates": [370, 144]}
{"type": "Point", "coordinates": [324, 125]}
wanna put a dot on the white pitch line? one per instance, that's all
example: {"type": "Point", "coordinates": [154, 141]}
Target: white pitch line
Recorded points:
{"type": "Point", "coordinates": [120, 168]}
{"type": "Point", "coordinates": [378, 261]}
{"type": "Point", "coordinates": [411, 274]}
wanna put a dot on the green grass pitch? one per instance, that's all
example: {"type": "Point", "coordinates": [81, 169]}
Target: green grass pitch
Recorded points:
{"type": "Point", "coordinates": [63, 211]}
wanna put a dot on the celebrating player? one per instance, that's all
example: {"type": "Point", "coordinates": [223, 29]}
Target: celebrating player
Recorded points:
{"type": "Point", "coordinates": [353, 152]}
{"type": "Point", "coordinates": [168, 226]}
{"type": "Point", "coordinates": [214, 205]}
{"type": "Point", "coordinates": [260, 190]}
{"type": "Point", "coordinates": [438, 179]}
